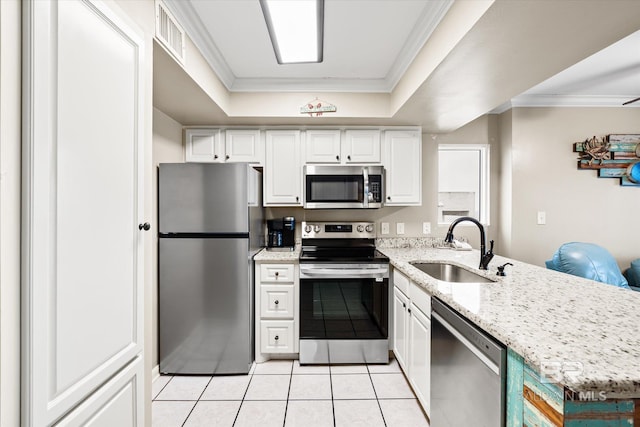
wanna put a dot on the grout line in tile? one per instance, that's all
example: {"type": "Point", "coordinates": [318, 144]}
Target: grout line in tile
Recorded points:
{"type": "Point", "coordinates": [163, 387]}
{"type": "Point", "coordinates": [197, 400]}
{"type": "Point", "coordinates": [375, 393]}
{"type": "Point", "coordinates": [243, 396]}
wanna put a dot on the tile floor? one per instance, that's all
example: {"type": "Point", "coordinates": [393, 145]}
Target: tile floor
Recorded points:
{"type": "Point", "coordinates": [282, 393]}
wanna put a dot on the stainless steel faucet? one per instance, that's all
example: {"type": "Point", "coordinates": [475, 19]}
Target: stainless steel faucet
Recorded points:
{"type": "Point", "coordinates": [485, 257]}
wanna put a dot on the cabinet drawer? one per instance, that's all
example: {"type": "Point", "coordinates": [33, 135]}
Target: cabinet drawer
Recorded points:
{"type": "Point", "coordinates": [401, 281]}
{"type": "Point", "coordinates": [276, 301]}
{"type": "Point", "coordinates": [276, 336]}
{"type": "Point", "coordinates": [420, 298]}
{"type": "Point", "coordinates": [281, 273]}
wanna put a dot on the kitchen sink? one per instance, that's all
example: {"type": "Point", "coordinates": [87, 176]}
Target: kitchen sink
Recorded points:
{"type": "Point", "coordinates": [449, 272]}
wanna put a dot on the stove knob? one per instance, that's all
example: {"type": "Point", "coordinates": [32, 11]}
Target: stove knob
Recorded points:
{"type": "Point", "coordinates": [369, 228]}
{"type": "Point", "coordinates": [307, 229]}
{"type": "Point", "coordinates": [360, 228]}
{"type": "Point", "coordinates": [316, 228]}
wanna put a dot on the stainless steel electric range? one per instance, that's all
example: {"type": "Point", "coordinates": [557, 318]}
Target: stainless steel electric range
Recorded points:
{"type": "Point", "coordinates": [344, 294]}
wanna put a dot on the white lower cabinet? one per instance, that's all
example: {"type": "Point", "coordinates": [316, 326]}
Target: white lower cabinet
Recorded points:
{"type": "Point", "coordinates": [400, 327]}
{"type": "Point", "coordinates": [277, 307]}
{"type": "Point", "coordinates": [420, 355]}
{"type": "Point", "coordinates": [412, 335]}
{"type": "Point", "coordinates": [277, 336]}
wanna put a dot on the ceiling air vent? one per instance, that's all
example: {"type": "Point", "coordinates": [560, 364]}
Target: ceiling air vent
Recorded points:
{"type": "Point", "coordinates": [169, 33]}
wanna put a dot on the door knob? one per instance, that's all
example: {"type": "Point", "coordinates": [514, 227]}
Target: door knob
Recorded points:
{"type": "Point", "coordinates": [146, 226]}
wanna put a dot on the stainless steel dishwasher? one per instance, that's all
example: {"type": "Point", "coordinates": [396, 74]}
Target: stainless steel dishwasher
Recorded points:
{"type": "Point", "coordinates": [468, 372]}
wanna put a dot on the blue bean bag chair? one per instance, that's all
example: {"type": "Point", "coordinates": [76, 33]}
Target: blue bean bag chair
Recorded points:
{"type": "Point", "coordinates": [589, 261]}
{"type": "Point", "coordinates": [633, 274]}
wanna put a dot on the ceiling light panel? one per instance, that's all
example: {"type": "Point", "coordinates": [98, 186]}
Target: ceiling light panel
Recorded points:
{"type": "Point", "coordinates": [295, 28]}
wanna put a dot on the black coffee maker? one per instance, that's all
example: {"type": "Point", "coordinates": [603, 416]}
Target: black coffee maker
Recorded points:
{"type": "Point", "coordinates": [281, 233]}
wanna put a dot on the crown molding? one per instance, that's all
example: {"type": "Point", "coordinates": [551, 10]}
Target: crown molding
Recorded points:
{"type": "Point", "coordinates": [425, 26]}
{"type": "Point", "coordinates": [197, 32]}
{"type": "Point", "coordinates": [565, 101]}
{"type": "Point", "coordinates": [291, 84]}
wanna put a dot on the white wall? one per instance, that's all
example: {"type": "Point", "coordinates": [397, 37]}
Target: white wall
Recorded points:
{"type": "Point", "coordinates": [10, 146]}
{"type": "Point", "coordinates": [579, 205]}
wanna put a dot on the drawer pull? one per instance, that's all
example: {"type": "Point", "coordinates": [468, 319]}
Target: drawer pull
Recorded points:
{"type": "Point", "coordinates": [276, 302]}
{"type": "Point", "coordinates": [277, 274]}
{"type": "Point", "coordinates": [276, 338]}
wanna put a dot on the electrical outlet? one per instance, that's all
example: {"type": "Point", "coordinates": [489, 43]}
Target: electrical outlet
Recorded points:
{"type": "Point", "coordinates": [542, 217]}
{"type": "Point", "coordinates": [384, 228]}
{"type": "Point", "coordinates": [400, 228]}
{"type": "Point", "coordinates": [426, 228]}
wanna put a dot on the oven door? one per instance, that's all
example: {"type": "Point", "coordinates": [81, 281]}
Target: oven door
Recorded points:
{"type": "Point", "coordinates": [344, 313]}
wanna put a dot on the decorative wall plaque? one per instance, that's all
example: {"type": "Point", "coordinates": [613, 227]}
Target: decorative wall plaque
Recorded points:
{"type": "Point", "coordinates": [613, 156]}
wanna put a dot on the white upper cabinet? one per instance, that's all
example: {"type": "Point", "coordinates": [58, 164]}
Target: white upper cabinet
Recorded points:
{"type": "Point", "coordinates": [203, 145]}
{"type": "Point", "coordinates": [334, 146]}
{"type": "Point", "coordinates": [403, 168]}
{"type": "Point", "coordinates": [283, 168]}
{"type": "Point", "coordinates": [244, 145]}
{"type": "Point", "coordinates": [322, 146]}
{"type": "Point", "coordinates": [207, 145]}
{"type": "Point", "coordinates": [361, 146]}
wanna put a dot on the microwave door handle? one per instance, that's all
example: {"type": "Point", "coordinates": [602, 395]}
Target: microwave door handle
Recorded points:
{"type": "Point", "coordinates": [365, 196]}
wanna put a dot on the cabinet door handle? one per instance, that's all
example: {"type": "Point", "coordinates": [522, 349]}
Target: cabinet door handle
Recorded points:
{"type": "Point", "coordinates": [276, 302]}
{"type": "Point", "coordinates": [277, 274]}
{"type": "Point", "coordinates": [404, 305]}
{"type": "Point", "coordinates": [276, 338]}
{"type": "Point", "coordinates": [388, 197]}
{"type": "Point", "coordinates": [409, 310]}
{"type": "Point", "coordinates": [338, 158]}
{"type": "Point", "coordinates": [215, 156]}
{"type": "Point", "coordinates": [146, 226]}
{"type": "Point", "coordinates": [349, 157]}
{"type": "Point", "coordinates": [297, 199]}
{"type": "Point", "coordinates": [226, 157]}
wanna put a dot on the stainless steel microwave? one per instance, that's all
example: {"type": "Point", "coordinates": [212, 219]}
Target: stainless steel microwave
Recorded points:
{"type": "Point", "coordinates": [343, 187]}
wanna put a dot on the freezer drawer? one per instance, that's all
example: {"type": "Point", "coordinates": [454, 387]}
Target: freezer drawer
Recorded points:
{"type": "Point", "coordinates": [205, 306]}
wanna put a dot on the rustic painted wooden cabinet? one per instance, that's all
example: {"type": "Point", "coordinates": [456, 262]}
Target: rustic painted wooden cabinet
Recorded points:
{"type": "Point", "coordinates": [534, 401]}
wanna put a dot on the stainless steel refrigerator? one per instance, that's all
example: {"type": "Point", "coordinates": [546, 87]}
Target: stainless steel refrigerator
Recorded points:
{"type": "Point", "coordinates": [211, 225]}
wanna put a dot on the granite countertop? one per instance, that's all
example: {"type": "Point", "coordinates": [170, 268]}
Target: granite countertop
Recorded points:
{"type": "Point", "coordinates": [588, 332]}
{"type": "Point", "coordinates": [278, 256]}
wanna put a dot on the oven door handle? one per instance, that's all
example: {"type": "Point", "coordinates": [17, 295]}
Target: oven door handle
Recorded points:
{"type": "Point", "coordinates": [337, 273]}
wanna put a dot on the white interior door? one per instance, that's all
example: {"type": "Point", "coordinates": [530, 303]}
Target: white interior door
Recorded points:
{"type": "Point", "coordinates": [83, 203]}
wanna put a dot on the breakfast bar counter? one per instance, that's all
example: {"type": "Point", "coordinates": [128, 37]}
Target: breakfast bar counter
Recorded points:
{"type": "Point", "coordinates": [580, 338]}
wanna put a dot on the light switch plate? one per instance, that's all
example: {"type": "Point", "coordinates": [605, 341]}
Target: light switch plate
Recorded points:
{"type": "Point", "coordinates": [400, 228]}
{"type": "Point", "coordinates": [542, 217]}
{"type": "Point", "coordinates": [426, 228]}
{"type": "Point", "coordinates": [384, 228]}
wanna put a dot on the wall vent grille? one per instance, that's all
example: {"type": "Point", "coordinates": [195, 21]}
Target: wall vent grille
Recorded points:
{"type": "Point", "coordinates": [169, 33]}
